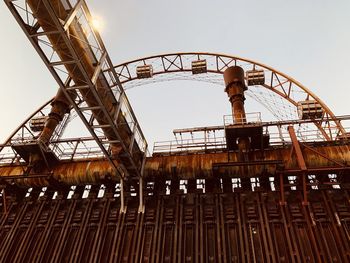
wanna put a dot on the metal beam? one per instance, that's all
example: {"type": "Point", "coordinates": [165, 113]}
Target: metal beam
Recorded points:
{"type": "Point", "coordinates": [300, 160]}
{"type": "Point", "coordinates": [72, 15]}
{"type": "Point", "coordinates": [296, 147]}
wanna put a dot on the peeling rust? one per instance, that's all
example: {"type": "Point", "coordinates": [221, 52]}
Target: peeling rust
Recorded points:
{"type": "Point", "coordinates": [191, 166]}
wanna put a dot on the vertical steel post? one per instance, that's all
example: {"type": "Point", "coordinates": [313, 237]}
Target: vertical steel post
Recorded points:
{"type": "Point", "coordinates": [280, 134]}
{"type": "Point", "coordinates": [122, 204]}
{"type": "Point", "coordinates": [282, 198]}
{"type": "Point", "coordinates": [305, 201]}
{"type": "Point", "coordinates": [4, 201]}
{"type": "Point", "coordinates": [141, 205]}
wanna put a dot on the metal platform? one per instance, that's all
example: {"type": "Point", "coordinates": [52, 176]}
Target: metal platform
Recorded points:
{"type": "Point", "coordinates": [27, 149]}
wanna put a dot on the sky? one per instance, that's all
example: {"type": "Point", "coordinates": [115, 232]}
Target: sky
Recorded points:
{"type": "Point", "coordinates": [308, 40]}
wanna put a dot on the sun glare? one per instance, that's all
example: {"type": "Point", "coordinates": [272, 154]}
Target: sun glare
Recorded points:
{"type": "Point", "coordinates": [97, 23]}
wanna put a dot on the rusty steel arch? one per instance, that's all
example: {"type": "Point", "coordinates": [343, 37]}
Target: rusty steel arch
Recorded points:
{"type": "Point", "coordinates": [24, 134]}
{"type": "Point", "coordinates": [66, 148]}
{"type": "Point", "coordinates": [175, 66]}
{"type": "Point", "coordinates": [24, 125]}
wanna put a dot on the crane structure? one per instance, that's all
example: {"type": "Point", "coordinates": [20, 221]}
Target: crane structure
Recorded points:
{"type": "Point", "coordinates": [246, 190]}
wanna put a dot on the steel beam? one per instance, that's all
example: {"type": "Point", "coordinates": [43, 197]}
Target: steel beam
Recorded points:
{"type": "Point", "coordinates": [300, 160]}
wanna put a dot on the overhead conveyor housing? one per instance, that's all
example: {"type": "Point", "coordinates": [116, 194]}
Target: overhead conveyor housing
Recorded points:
{"type": "Point", "coordinates": [73, 51]}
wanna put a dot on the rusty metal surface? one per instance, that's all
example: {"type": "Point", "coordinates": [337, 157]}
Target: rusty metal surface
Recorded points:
{"type": "Point", "coordinates": [192, 227]}
{"type": "Point", "coordinates": [200, 165]}
{"type": "Point", "coordinates": [262, 203]}
{"type": "Point", "coordinates": [317, 159]}
{"type": "Point", "coordinates": [235, 87]}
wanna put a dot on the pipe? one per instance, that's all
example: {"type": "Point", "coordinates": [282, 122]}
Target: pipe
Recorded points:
{"type": "Point", "coordinates": [88, 61]}
{"type": "Point", "coordinates": [60, 107]}
{"type": "Point", "coordinates": [235, 87]}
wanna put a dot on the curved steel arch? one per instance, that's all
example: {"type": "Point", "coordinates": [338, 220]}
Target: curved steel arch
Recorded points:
{"type": "Point", "coordinates": [277, 82]}
{"type": "Point", "coordinates": [21, 133]}
{"type": "Point", "coordinates": [24, 124]}
{"type": "Point", "coordinates": [169, 66]}
{"type": "Point", "coordinates": [64, 148]}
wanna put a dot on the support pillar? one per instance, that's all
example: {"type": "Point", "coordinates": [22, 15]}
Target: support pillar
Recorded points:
{"type": "Point", "coordinates": [141, 204]}
{"type": "Point", "coordinates": [122, 196]}
{"type": "Point", "coordinates": [282, 198]}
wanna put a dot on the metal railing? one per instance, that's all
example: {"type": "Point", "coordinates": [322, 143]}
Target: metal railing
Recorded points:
{"type": "Point", "coordinates": [190, 145]}
{"type": "Point", "coordinates": [248, 118]}
{"type": "Point", "coordinates": [276, 130]}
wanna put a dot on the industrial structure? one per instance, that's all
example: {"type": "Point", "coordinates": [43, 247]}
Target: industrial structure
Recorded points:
{"type": "Point", "coordinates": [246, 190]}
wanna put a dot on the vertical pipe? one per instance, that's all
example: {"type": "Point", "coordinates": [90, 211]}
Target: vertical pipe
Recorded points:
{"type": "Point", "coordinates": [60, 106]}
{"type": "Point", "coordinates": [235, 87]}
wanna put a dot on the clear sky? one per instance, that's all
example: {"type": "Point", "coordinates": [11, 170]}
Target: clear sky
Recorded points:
{"type": "Point", "coordinates": [308, 40]}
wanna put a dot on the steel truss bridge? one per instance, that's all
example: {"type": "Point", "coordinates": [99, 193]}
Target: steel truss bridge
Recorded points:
{"type": "Point", "coordinates": [283, 197]}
